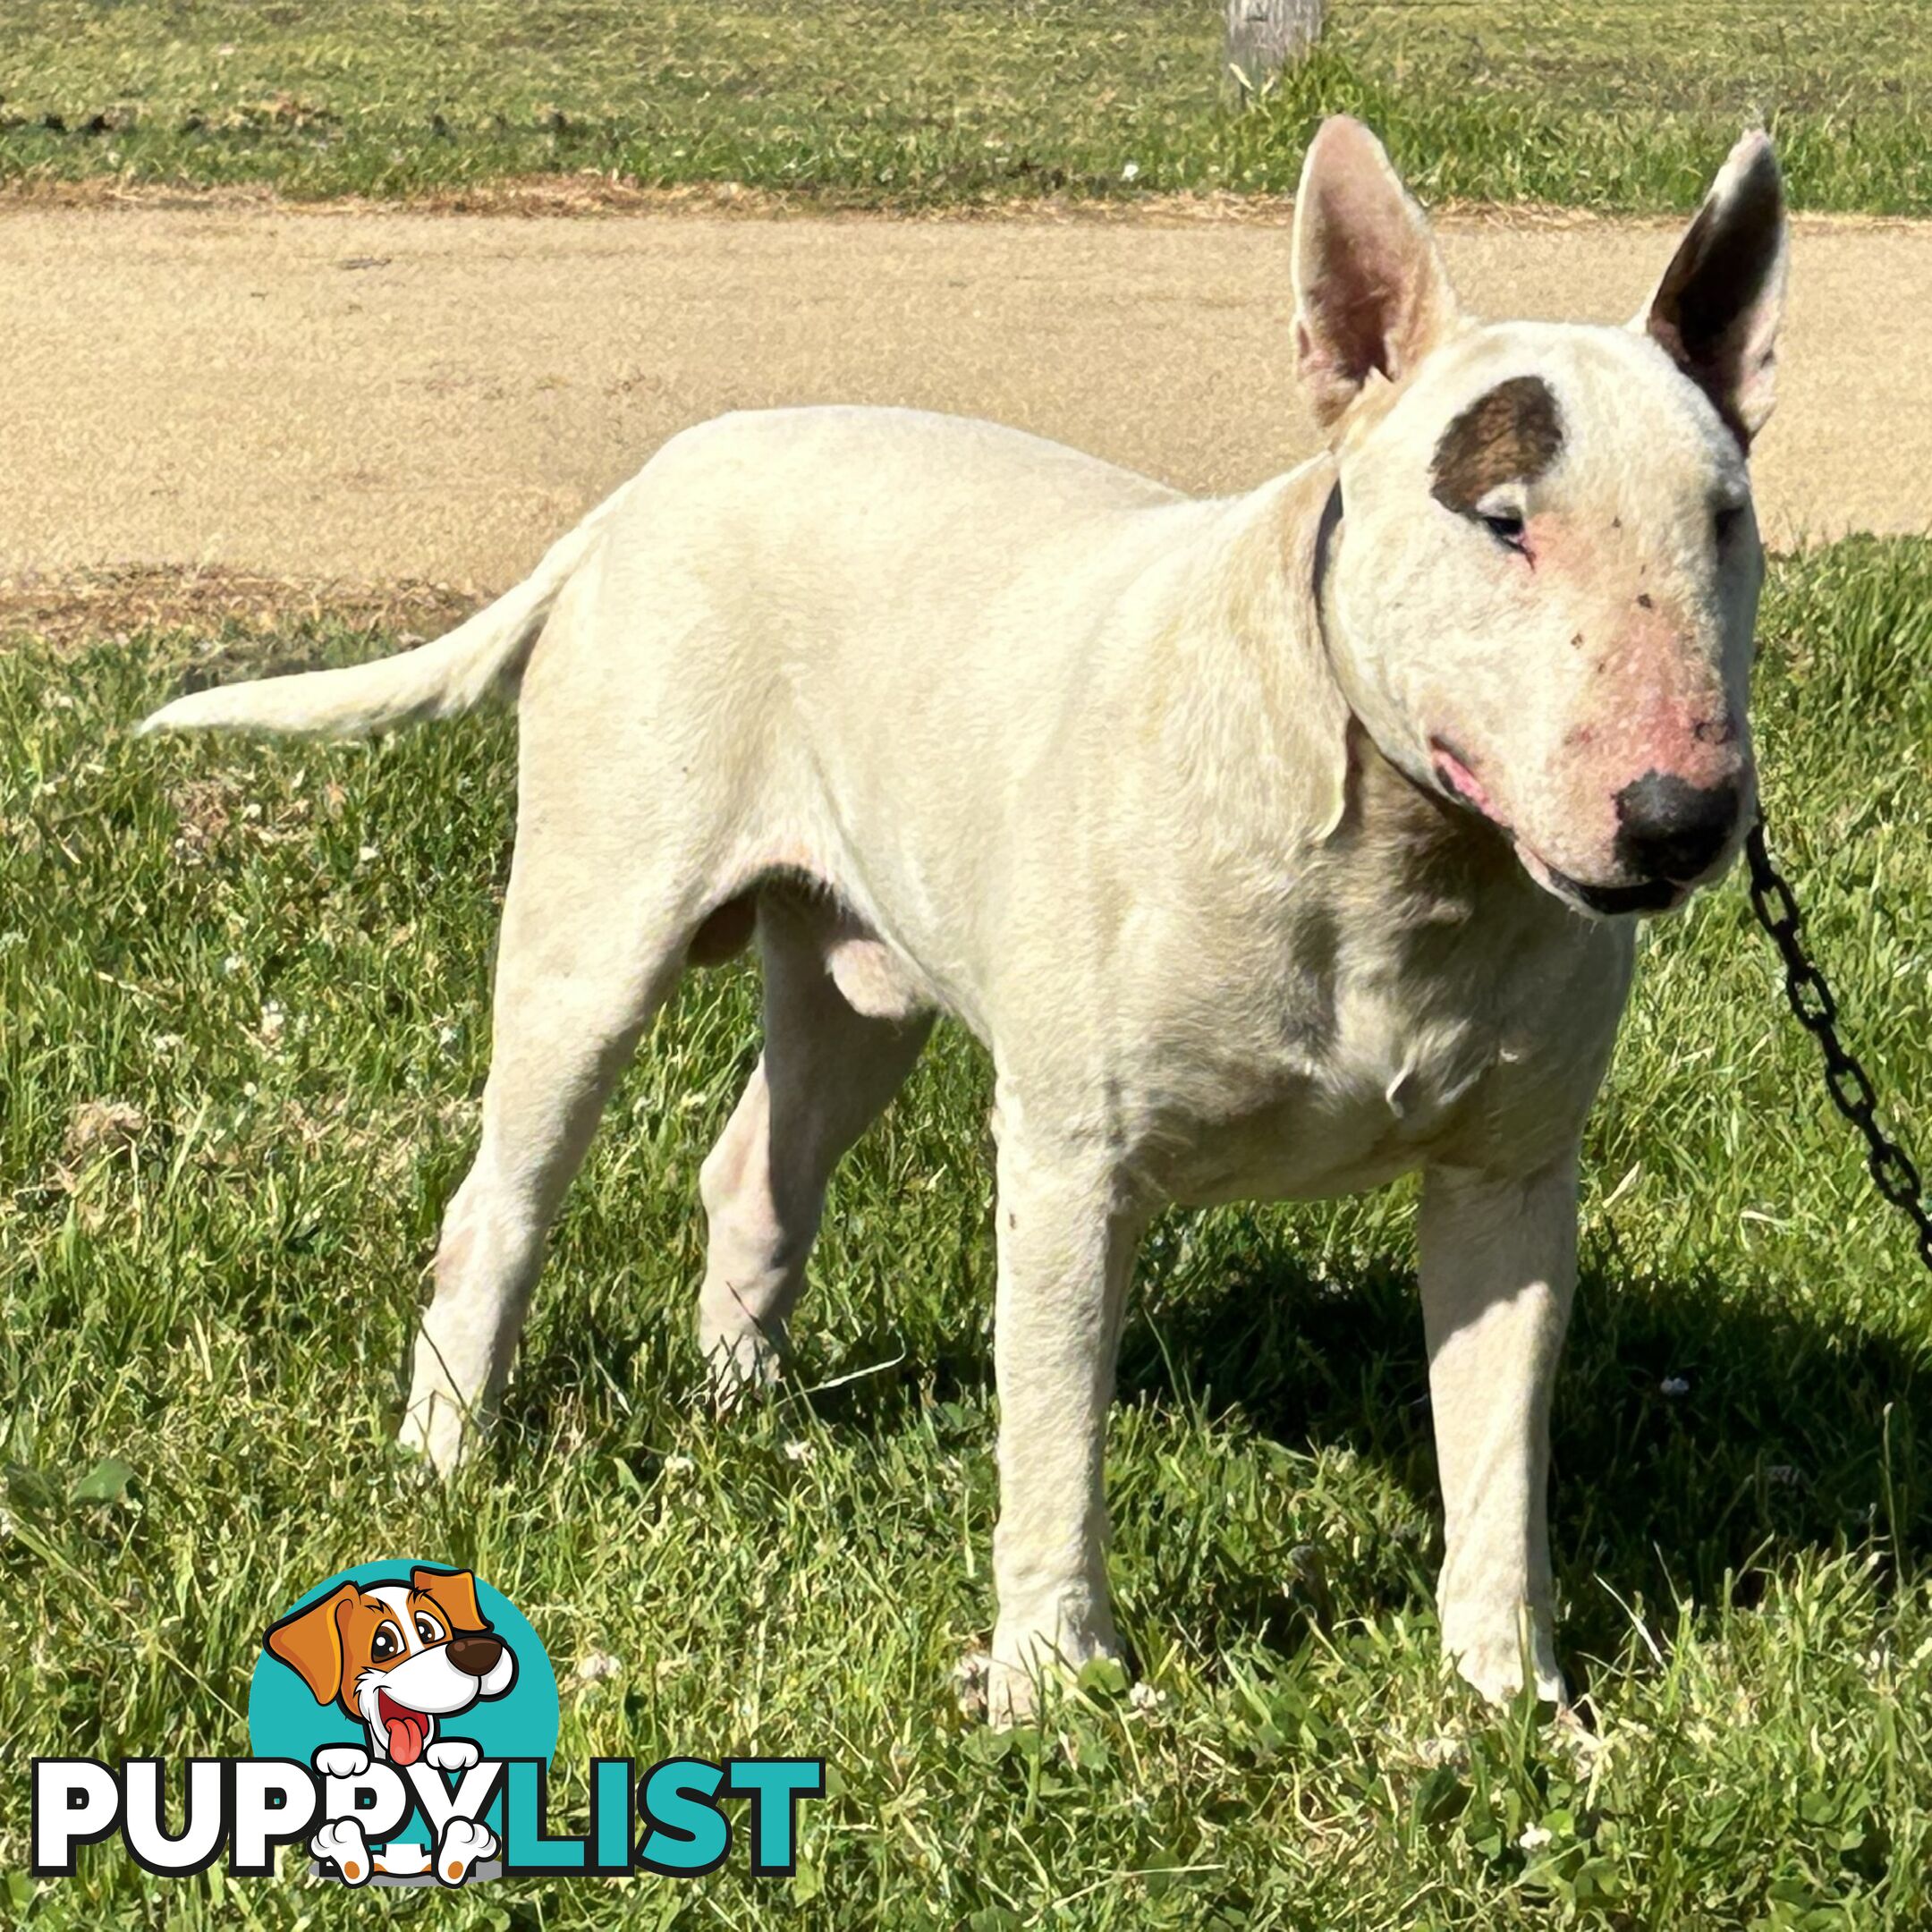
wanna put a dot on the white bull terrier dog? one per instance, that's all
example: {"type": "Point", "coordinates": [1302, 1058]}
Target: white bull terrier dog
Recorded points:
{"type": "Point", "coordinates": [1274, 846]}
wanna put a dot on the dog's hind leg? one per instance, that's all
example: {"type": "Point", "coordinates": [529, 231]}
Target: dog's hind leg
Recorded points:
{"type": "Point", "coordinates": [580, 973]}
{"type": "Point", "coordinates": [827, 1071]}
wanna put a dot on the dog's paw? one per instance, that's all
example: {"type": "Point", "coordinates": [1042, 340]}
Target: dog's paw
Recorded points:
{"type": "Point", "coordinates": [1496, 1676]}
{"type": "Point", "coordinates": [1487, 1644]}
{"type": "Point", "coordinates": [463, 1842]}
{"type": "Point", "coordinates": [343, 1845]}
{"type": "Point", "coordinates": [1016, 1689]}
{"type": "Point", "coordinates": [341, 1760]}
{"type": "Point", "coordinates": [452, 1754]}
{"type": "Point", "coordinates": [740, 1366]}
{"type": "Point", "coordinates": [436, 1433]}
{"type": "Point", "coordinates": [1027, 1663]}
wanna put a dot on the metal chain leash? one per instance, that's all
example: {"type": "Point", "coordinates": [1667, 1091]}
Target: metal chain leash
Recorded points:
{"type": "Point", "coordinates": [1845, 1079]}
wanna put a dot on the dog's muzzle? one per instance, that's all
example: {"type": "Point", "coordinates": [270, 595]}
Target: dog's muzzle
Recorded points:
{"type": "Point", "coordinates": [1671, 834]}
{"type": "Point", "coordinates": [1672, 831]}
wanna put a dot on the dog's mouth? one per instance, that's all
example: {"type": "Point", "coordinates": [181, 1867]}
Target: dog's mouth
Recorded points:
{"type": "Point", "coordinates": [1606, 902]}
{"type": "Point", "coordinates": [1454, 776]}
{"type": "Point", "coordinates": [406, 1731]}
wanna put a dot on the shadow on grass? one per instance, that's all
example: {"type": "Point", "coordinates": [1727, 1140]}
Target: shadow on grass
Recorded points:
{"type": "Point", "coordinates": [1700, 1442]}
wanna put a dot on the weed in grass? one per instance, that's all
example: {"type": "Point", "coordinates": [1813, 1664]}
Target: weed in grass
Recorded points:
{"type": "Point", "coordinates": [242, 1018]}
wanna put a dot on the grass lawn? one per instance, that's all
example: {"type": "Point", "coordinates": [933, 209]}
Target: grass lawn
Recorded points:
{"type": "Point", "coordinates": [1619, 104]}
{"type": "Point", "coordinates": [243, 1023]}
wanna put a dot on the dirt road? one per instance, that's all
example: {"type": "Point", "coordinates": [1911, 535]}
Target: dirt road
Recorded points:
{"type": "Point", "coordinates": [373, 395]}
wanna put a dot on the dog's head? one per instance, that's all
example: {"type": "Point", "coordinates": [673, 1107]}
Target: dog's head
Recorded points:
{"type": "Point", "coordinates": [398, 1655]}
{"type": "Point", "coordinates": [1540, 592]}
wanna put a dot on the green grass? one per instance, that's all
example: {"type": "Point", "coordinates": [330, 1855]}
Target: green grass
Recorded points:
{"type": "Point", "coordinates": [1620, 104]}
{"type": "Point", "coordinates": [279, 957]}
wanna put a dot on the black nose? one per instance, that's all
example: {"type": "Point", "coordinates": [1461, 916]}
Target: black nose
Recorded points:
{"type": "Point", "coordinates": [1669, 828]}
{"type": "Point", "coordinates": [475, 1657]}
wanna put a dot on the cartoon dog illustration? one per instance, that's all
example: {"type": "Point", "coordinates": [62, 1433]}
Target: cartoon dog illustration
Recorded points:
{"type": "Point", "coordinates": [399, 1655]}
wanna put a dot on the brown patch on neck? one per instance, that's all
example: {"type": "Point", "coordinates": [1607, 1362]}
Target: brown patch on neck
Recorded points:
{"type": "Point", "coordinates": [1432, 860]}
{"type": "Point", "coordinates": [1511, 434]}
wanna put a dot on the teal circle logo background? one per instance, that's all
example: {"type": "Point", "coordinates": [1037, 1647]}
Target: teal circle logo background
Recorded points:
{"type": "Point", "coordinates": [284, 1721]}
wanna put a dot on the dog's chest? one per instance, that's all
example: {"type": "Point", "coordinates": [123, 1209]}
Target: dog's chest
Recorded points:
{"type": "Point", "coordinates": [1405, 1016]}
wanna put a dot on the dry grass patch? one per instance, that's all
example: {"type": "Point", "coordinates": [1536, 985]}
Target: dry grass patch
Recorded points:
{"type": "Point", "coordinates": [65, 611]}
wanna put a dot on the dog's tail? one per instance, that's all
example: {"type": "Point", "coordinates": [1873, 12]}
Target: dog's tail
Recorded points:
{"type": "Point", "coordinates": [435, 680]}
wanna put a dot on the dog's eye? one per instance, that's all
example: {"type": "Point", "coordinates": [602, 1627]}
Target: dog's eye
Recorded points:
{"type": "Point", "coordinates": [1507, 526]}
{"type": "Point", "coordinates": [385, 1644]}
{"type": "Point", "coordinates": [429, 1629]}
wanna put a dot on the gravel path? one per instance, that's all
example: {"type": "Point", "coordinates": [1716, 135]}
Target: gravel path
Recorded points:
{"type": "Point", "coordinates": [373, 395]}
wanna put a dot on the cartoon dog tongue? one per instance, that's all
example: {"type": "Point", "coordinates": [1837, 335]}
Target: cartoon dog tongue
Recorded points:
{"type": "Point", "coordinates": [407, 1729]}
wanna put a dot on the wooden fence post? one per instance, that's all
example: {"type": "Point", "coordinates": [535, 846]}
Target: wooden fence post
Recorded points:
{"type": "Point", "coordinates": [1265, 36]}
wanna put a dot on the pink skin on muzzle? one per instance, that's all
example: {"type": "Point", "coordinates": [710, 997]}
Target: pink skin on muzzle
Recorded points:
{"type": "Point", "coordinates": [1455, 776]}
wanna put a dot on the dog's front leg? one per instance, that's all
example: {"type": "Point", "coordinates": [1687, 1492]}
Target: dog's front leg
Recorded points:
{"type": "Point", "coordinates": [1498, 1270]}
{"type": "Point", "coordinates": [1065, 1252]}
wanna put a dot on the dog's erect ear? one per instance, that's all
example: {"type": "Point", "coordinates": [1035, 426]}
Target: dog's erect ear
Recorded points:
{"type": "Point", "coordinates": [311, 1644]}
{"type": "Point", "coordinates": [1718, 308]}
{"type": "Point", "coordinates": [456, 1591]}
{"type": "Point", "coordinates": [1371, 295]}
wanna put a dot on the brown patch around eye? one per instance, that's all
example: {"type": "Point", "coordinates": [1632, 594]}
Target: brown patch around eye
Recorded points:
{"type": "Point", "coordinates": [1510, 434]}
